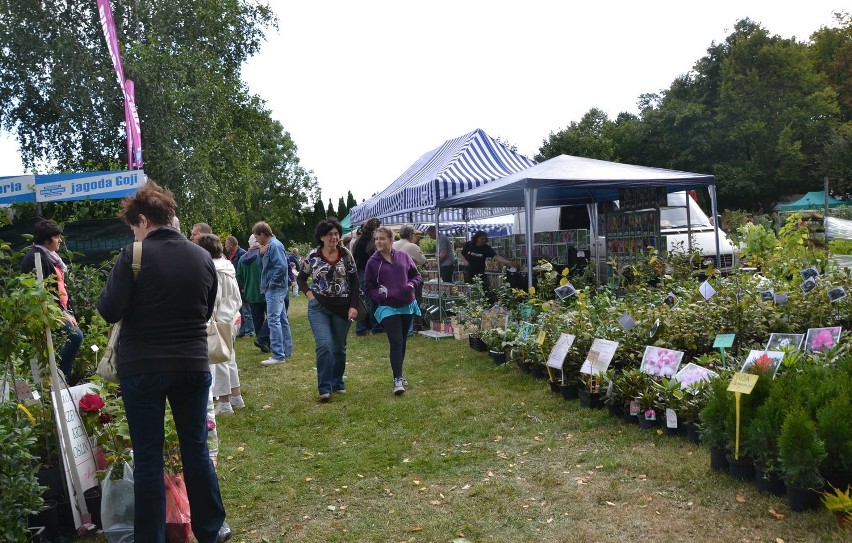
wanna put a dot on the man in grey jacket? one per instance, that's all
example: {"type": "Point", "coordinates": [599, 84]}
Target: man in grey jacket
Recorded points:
{"type": "Point", "coordinates": [274, 286]}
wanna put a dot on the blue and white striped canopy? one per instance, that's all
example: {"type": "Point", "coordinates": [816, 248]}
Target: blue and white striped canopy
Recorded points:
{"type": "Point", "coordinates": [457, 166]}
{"type": "Point", "coordinates": [459, 229]}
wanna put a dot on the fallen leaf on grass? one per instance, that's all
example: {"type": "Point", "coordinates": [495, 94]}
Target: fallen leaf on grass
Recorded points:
{"type": "Point", "coordinates": [779, 540]}
{"type": "Point", "coordinates": [435, 502]}
{"type": "Point", "coordinates": [537, 438]}
{"type": "Point", "coordinates": [331, 508]}
{"type": "Point", "coordinates": [266, 406]}
{"type": "Point", "coordinates": [740, 498]}
{"type": "Point", "coordinates": [241, 449]}
{"type": "Point", "coordinates": [491, 474]}
{"type": "Point", "coordinates": [642, 477]}
{"type": "Point", "coordinates": [610, 504]}
{"type": "Point", "coordinates": [776, 514]}
{"type": "Point", "coordinates": [416, 482]}
{"type": "Point", "coordinates": [309, 479]}
{"type": "Point", "coordinates": [550, 520]}
{"type": "Point", "coordinates": [465, 487]}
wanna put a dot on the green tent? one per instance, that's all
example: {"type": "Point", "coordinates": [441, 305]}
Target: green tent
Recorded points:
{"type": "Point", "coordinates": [346, 223]}
{"type": "Point", "coordinates": [812, 200]}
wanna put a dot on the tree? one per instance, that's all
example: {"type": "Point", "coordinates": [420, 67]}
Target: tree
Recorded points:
{"type": "Point", "coordinates": [204, 137]}
{"type": "Point", "coordinates": [832, 54]}
{"type": "Point", "coordinates": [341, 209]}
{"type": "Point", "coordinates": [350, 201]}
{"type": "Point", "coordinates": [588, 138]}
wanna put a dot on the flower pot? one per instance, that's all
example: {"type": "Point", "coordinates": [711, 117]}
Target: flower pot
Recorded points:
{"type": "Point", "coordinates": [803, 499]}
{"type": "Point", "coordinates": [471, 341]}
{"type": "Point", "coordinates": [93, 504]}
{"type": "Point", "coordinates": [569, 391]}
{"type": "Point", "coordinates": [523, 365]}
{"type": "Point", "coordinates": [671, 427]}
{"type": "Point", "coordinates": [554, 386]}
{"type": "Point", "coordinates": [592, 400]}
{"type": "Point", "coordinates": [630, 417]}
{"type": "Point", "coordinates": [837, 478]}
{"type": "Point", "coordinates": [498, 357]}
{"type": "Point", "coordinates": [37, 535]}
{"type": "Point", "coordinates": [51, 478]}
{"type": "Point", "coordinates": [538, 371]}
{"type": "Point", "coordinates": [646, 421]}
{"type": "Point", "coordinates": [692, 433]}
{"type": "Point", "coordinates": [48, 518]}
{"type": "Point", "coordinates": [718, 460]}
{"type": "Point", "coordinates": [615, 410]}
{"type": "Point", "coordinates": [481, 346]}
{"type": "Point", "coordinates": [741, 470]}
{"type": "Point", "coordinates": [771, 484]}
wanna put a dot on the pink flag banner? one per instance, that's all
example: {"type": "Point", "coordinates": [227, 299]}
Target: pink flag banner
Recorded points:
{"type": "Point", "coordinates": [131, 115]}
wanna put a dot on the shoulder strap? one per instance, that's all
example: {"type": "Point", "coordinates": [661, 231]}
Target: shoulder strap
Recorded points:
{"type": "Point", "coordinates": [137, 259]}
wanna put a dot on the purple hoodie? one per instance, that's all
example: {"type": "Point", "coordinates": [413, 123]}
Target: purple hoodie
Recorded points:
{"type": "Point", "coordinates": [400, 277]}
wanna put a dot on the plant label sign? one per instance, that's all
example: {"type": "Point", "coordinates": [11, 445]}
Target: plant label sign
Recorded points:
{"type": "Point", "coordinates": [693, 373]}
{"type": "Point", "coordinates": [707, 290]}
{"type": "Point", "coordinates": [660, 361]}
{"type": "Point", "coordinates": [778, 342]}
{"type": "Point", "coordinates": [743, 383]}
{"type": "Point", "coordinates": [541, 338]}
{"type": "Point", "coordinates": [626, 322]}
{"type": "Point", "coordinates": [763, 361]}
{"type": "Point", "coordinates": [599, 357]}
{"type": "Point", "coordinates": [84, 460]}
{"type": "Point", "coordinates": [560, 351]}
{"type": "Point", "coordinates": [821, 339]}
{"type": "Point", "coordinates": [724, 341]}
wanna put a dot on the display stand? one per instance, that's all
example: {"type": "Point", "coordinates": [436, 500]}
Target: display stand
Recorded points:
{"type": "Point", "coordinates": [635, 227]}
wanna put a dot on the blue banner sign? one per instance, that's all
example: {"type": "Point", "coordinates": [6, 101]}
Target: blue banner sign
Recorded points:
{"type": "Point", "coordinates": [88, 185]}
{"type": "Point", "coordinates": [19, 188]}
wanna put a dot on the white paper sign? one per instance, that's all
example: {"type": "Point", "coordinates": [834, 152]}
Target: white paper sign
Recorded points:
{"type": "Point", "coordinates": [671, 418]}
{"type": "Point", "coordinates": [560, 349]}
{"type": "Point", "coordinates": [707, 290]}
{"type": "Point", "coordinates": [660, 361]}
{"type": "Point", "coordinates": [599, 357]}
{"type": "Point", "coordinates": [83, 458]}
{"type": "Point", "coordinates": [626, 322]}
{"type": "Point", "coordinates": [693, 373]}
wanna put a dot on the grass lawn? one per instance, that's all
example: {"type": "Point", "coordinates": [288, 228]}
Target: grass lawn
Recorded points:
{"type": "Point", "coordinates": [471, 451]}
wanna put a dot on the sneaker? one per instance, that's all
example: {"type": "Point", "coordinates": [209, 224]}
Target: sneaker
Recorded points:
{"type": "Point", "coordinates": [224, 534]}
{"type": "Point", "coordinates": [404, 383]}
{"type": "Point", "coordinates": [263, 348]}
{"type": "Point", "coordinates": [324, 397]}
{"type": "Point", "coordinates": [237, 402]}
{"type": "Point", "coordinates": [398, 386]}
{"type": "Point", "coordinates": [224, 408]}
{"type": "Point", "coordinates": [339, 391]}
{"type": "Point", "coordinates": [272, 361]}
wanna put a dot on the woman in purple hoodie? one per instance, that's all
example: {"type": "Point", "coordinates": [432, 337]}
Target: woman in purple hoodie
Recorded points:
{"type": "Point", "coordinates": [390, 278]}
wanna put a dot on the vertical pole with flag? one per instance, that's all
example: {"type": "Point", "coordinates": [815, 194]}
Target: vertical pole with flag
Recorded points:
{"type": "Point", "coordinates": [131, 115]}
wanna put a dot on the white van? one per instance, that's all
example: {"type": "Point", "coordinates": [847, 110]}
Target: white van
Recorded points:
{"type": "Point", "coordinates": [673, 225]}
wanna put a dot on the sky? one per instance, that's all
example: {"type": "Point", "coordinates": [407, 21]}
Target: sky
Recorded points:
{"type": "Point", "coordinates": [366, 87]}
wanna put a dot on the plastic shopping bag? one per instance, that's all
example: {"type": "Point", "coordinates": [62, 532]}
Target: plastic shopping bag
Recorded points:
{"type": "Point", "coordinates": [117, 506]}
{"type": "Point", "coordinates": [178, 529]}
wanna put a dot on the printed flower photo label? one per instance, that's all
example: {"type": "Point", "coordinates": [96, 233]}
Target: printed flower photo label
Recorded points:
{"type": "Point", "coordinates": [693, 373]}
{"type": "Point", "coordinates": [763, 361]}
{"type": "Point", "coordinates": [836, 294]}
{"type": "Point", "coordinates": [778, 342]}
{"type": "Point", "coordinates": [557, 355]}
{"type": "Point", "coordinates": [660, 361]}
{"type": "Point", "coordinates": [599, 357]}
{"type": "Point", "coordinates": [821, 339]}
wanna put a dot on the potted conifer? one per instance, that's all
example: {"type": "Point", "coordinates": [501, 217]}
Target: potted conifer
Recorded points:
{"type": "Point", "coordinates": [801, 452]}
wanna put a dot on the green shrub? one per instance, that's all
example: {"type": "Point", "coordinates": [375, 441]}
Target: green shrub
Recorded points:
{"type": "Point", "coordinates": [714, 416]}
{"type": "Point", "coordinates": [20, 493]}
{"type": "Point", "coordinates": [800, 450]}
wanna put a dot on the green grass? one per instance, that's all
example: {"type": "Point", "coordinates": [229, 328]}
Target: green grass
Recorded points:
{"type": "Point", "coordinates": [471, 451]}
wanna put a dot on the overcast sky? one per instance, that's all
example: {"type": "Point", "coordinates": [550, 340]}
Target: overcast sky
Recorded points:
{"type": "Point", "coordinates": [366, 87]}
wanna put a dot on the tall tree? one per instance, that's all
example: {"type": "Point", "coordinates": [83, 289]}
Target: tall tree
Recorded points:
{"type": "Point", "coordinates": [350, 201]}
{"type": "Point", "coordinates": [341, 209]}
{"type": "Point", "coordinates": [329, 211]}
{"type": "Point", "coordinates": [203, 135]}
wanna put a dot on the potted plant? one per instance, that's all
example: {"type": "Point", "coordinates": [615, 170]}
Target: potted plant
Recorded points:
{"type": "Point", "coordinates": [589, 391]}
{"type": "Point", "coordinates": [628, 386]}
{"type": "Point", "coordinates": [714, 417]}
{"type": "Point", "coordinates": [21, 493]}
{"type": "Point", "coordinates": [669, 405]}
{"type": "Point", "coordinates": [611, 397]}
{"type": "Point", "coordinates": [801, 451]}
{"type": "Point", "coordinates": [647, 398]}
{"type": "Point", "coordinates": [834, 427]}
{"type": "Point", "coordinates": [760, 438]}
{"type": "Point", "coordinates": [694, 400]}
{"type": "Point", "coordinates": [839, 503]}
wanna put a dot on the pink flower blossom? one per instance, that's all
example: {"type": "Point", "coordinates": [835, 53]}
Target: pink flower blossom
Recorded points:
{"type": "Point", "coordinates": [822, 341]}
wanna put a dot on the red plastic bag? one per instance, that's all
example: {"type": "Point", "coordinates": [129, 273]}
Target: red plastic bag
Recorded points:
{"type": "Point", "coordinates": [178, 529]}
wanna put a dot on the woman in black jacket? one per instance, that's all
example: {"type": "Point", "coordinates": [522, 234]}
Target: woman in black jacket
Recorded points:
{"type": "Point", "coordinates": [162, 354]}
{"type": "Point", "coordinates": [47, 236]}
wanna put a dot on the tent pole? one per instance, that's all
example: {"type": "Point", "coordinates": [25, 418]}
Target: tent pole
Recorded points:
{"type": "Point", "coordinates": [713, 209]}
{"type": "Point", "coordinates": [592, 210]}
{"type": "Point", "coordinates": [529, 208]}
{"type": "Point", "coordinates": [438, 259]}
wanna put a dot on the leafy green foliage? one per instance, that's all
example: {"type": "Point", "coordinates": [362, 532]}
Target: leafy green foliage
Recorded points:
{"type": "Point", "coordinates": [20, 494]}
{"type": "Point", "coordinates": [800, 450]}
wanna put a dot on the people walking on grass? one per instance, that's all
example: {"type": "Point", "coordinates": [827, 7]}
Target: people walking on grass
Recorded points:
{"type": "Point", "coordinates": [409, 243]}
{"type": "Point", "coordinates": [248, 277]}
{"type": "Point", "coordinates": [233, 252]}
{"type": "Point", "coordinates": [391, 279]}
{"type": "Point", "coordinates": [163, 356]}
{"type": "Point", "coordinates": [226, 375]}
{"type": "Point", "coordinates": [329, 279]}
{"type": "Point", "coordinates": [362, 249]}
{"type": "Point", "coordinates": [274, 285]}
{"type": "Point", "coordinates": [47, 237]}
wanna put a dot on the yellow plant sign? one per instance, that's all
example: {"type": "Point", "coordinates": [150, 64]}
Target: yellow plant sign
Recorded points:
{"type": "Point", "coordinates": [743, 383]}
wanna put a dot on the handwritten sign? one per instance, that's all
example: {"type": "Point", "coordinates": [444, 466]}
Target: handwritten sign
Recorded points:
{"type": "Point", "coordinates": [83, 457]}
{"type": "Point", "coordinates": [743, 383]}
{"type": "Point", "coordinates": [560, 350]}
{"type": "Point", "coordinates": [599, 357]}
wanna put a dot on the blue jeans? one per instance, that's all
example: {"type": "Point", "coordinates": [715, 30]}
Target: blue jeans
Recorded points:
{"type": "Point", "coordinates": [280, 340]}
{"type": "Point", "coordinates": [73, 339]}
{"type": "Point", "coordinates": [247, 323]}
{"type": "Point", "coordinates": [258, 315]}
{"type": "Point", "coordinates": [145, 404]}
{"type": "Point", "coordinates": [370, 323]}
{"type": "Point", "coordinates": [330, 333]}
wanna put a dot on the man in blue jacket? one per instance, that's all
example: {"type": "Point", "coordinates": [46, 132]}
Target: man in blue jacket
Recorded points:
{"type": "Point", "coordinates": [274, 286]}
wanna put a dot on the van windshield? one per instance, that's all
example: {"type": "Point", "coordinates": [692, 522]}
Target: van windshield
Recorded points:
{"type": "Point", "coordinates": [675, 217]}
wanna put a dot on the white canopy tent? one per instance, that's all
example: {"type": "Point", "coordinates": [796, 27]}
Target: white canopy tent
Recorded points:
{"type": "Point", "coordinates": [570, 180]}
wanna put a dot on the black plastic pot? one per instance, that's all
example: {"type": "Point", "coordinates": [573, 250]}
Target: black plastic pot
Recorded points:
{"type": "Point", "coordinates": [523, 365]}
{"type": "Point", "coordinates": [803, 499]}
{"type": "Point", "coordinates": [718, 460]}
{"type": "Point", "coordinates": [615, 410]}
{"type": "Point", "coordinates": [51, 478]}
{"type": "Point", "coordinates": [498, 357]}
{"type": "Point", "coordinates": [538, 371]}
{"type": "Point", "coordinates": [673, 431]}
{"type": "Point", "coordinates": [692, 433]}
{"type": "Point", "coordinates": [741, 470]}
{"type": "Point", "coordinates": [569, 391]}
{"type": "Point", "coordinates": [48, 518]}
{"type": "Point", "coordinates": [93, 504]}
{"type": "Point", "coordinates": [554, 386]}
{"type": "Point", "coordinates": [768, 485]}
{"type": "Point", "coordinates": [592, 400]}
{"type": "Point", "coordinates": [646, 423]}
